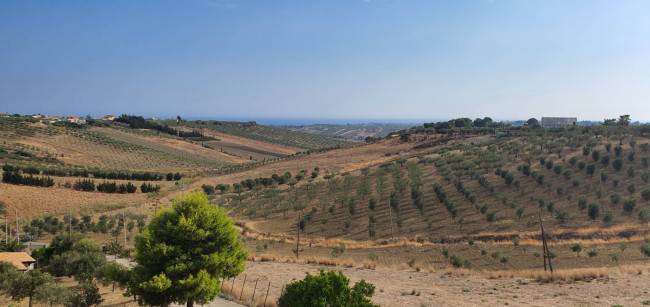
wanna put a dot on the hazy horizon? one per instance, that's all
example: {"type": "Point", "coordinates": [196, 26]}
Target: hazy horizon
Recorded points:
{"type": "Point", "coordinates": [375, 59]}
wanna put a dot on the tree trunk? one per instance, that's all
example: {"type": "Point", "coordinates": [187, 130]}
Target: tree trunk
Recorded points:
{"type": "Point", "coordinates": [190, 303]}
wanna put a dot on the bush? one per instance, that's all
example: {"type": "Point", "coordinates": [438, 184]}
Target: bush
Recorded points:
{"type": "Point", "coordinates": [327, 289]}
{"type": "Point", "coordinates": [338, 250]}
{"type": "Point", "coordinates": [582, 203]}
{"type": "Point", "coordinates": [629, 205]}
{"type": "Point", "coordinates": [592, 253]}
{"type": "Point", "coordinates": [576, 248]}
{"type": "Point", "coordinates": [608, 217]}
{"type": "Point", "coordinates": [594, 211]}
{"type": "Point", "coordinates": [208, 189]}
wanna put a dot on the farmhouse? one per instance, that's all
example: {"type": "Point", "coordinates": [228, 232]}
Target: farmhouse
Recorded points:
{"type": "Point", "coordinates": [21, 260]}
{"type": "Point", "coordinates": [108, 117]}
{"type": "Point", "coordinates": [4, 114]}
{"type": "Point", "coordinates": [552, 122]}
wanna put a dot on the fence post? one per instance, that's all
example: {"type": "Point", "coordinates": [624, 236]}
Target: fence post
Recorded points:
{"type": "Point", "coordinates": [242, 288]}
{"type": "Point", "coordinates": [254, 288]}
{"type": "Point", "coordinates": [267, 293]}
{"type": "Point", "coordinates": [233, 284]}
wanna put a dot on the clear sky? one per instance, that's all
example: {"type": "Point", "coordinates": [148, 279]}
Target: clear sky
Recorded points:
{"type": "Point", "coordinates": [379, 59]}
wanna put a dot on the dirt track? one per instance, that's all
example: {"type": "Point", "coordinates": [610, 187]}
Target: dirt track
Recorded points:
{"type": "Point", "coordinates": [394, 287]}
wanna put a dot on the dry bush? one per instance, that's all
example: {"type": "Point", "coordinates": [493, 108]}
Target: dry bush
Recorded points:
{"type": "Point", "coordinates": [322, 261]}
{"type": "Point", "coordinates": [456, 271]}
{"type": "Point", "coordinates": [417, 267]}
{"type": "Point", "coordinates": [328, 261]}
{"type": "Point", "coordinates": [348, 263]}
{"type": "Point", "coordinates": [267, 257]}
{"type": "Point", "coordinates": [311, 260]}
{"type": "Point", "coordinates": [251, 257]}
{"type": "Point", "coordinates": [430, 268]}
{"type": "Point", "coordinates": [369, 264]}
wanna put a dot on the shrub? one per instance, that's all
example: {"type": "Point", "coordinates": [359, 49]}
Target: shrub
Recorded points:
{"type": "Point", "coordinates": [372, 203]}
{"type": "Point", "coordinates": [593, 211]}
{"type": "Point", "coordinates": [608, 217]}
{"type": "Point", "coordinates": [327, 289]}
{"type": "Point", "coordinates": [208, 189]}
{"type": "Point", "coordinates": [576, 248]}
{"type": "Point", "coordinates": [629, 205]}
{"type": "Point", "coordinates": [645, 194]}
{"type": "Point", "coordinates": [645, 250]}
{"type": "Point", "coordinates": [491, 216]}
{"type": "Point", "coordinates": [338, 250]}
{"type": "Point", "coordinates": [592, 253]}
{"type": "Point", "coordinates": [582, 203]}
{"type": "Point", "coordinates": [618, 164]}
{"type": "Point", "coordinates": [445, 252]}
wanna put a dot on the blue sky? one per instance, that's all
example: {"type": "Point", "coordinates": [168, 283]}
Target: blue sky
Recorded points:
{"type": "Point", "coordinates": [379, 59]}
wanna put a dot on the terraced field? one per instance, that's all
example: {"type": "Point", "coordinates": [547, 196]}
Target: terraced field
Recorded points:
{"type": "Point", "coordinates": [27, 141]}
{"type": "Point", "coordinates": [269, 134]}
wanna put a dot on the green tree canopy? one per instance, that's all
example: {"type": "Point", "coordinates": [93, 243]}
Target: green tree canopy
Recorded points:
{"type": "Point", "coordinates": [184, 251]}
{"type": "Point", "coordinates": [327, 289]}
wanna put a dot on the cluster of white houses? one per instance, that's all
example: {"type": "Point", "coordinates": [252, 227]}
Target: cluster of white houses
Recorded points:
{"type": "Point", "coordinates": [55, 118]}
{"type": "Point", "coordinates": [553, 122]}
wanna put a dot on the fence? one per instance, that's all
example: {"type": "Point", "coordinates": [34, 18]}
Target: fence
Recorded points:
{"type": "Point", "coordinates": [258, 292]}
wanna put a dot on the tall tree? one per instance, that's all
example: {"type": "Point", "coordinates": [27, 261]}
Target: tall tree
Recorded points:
{"type": "Point", "coordinates": [624, 120]}
{"type": "Point", "coordinates": [184, 251]}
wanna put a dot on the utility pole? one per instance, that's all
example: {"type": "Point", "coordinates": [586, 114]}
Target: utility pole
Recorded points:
{"type": "Point", "coordinates": [545, 246]}
{"type": "Point", "coordinates": [70, 221]}
{"type": "Point", "coordinates": [298, 241]}
{"type": "Point", "coordinates": [390, 217]}
{"type": "Point", "coordinates": [124, 221]}
{"type": "Point", "coordinates": [17, 234]}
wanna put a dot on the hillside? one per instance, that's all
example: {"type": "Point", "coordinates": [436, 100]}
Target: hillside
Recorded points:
{"type": "Point", "coordinates": [492, 186]}
{"type": "Point", "coordinates": [356, 132]}
{"type": "Point", "coordinates": [416, 199]}
{"type": "Point", "coordinates": [269, 134]}
{"type": "Point", "coordinates": [28, 141]}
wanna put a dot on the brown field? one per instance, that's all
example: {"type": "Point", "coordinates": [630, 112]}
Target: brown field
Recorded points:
{"type": "Point", "coordinates": [244, 147]}
{"type": "Point", "coordinates": [626, 286]}
{"type": "Point", "coordinates": [34, 201]}
{"type": "Point", "coordinates": [331, 162]}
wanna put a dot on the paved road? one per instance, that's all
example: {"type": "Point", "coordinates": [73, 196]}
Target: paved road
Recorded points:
{"type": "Point", "coordinates": [218, 302]}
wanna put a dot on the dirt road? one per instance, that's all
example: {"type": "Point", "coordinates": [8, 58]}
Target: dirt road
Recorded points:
{"type": "Point", "coordinates": [409, 288]}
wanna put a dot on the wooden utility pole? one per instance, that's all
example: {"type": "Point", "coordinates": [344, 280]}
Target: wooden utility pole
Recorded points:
{"type": "Point", "coordinates": [298, 241]}
{"type": "Point", "coordinates": [124, 221]}
{"type": "Point", "coordinates": [390, 217]}
{"type": "Point", "coordinates": [17, 234]}
{"type": "Point", "coordinates": [545, 246]}
{"type": "Point", "coordinates": [70, 221]}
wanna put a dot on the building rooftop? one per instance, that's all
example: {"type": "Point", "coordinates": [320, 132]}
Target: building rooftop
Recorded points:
{"type": "Point", "coordinates": [17, 259]}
